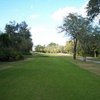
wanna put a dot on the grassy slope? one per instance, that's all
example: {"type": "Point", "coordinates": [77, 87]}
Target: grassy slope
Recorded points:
{"type": "Point", "coordinates": [48, 78]}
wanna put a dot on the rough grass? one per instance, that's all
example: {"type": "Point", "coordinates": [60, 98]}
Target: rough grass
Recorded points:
{"type": "Point", "coordinates": [90, 66]}
{"type": "Point", "coordinates": [47, 78]}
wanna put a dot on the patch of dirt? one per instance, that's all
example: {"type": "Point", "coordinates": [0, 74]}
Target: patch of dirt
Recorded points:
{"type": "Point", "coordinates": [92, 67]}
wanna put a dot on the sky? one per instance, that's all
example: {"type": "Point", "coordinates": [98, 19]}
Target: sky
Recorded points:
{"type": "Point", "coordinates": [43, 16]}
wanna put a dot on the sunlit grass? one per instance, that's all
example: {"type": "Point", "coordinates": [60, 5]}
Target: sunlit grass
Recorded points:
{"type": "Point", "coordinates": [47, 78]}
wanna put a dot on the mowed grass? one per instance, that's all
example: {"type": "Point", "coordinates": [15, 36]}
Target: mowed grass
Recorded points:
{"type": "Point", "coordinates": [47, 78]}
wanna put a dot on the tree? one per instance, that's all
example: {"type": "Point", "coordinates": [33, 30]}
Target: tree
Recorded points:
{"type": "Point", "coordinates": [72, 26]}
{"type": "Point", "coordinates": [5, 40]}
{"type": "Point", "coordinates": [20, 36]}
{"type": "Point", "coordinates": [25, 36]}
{"type": "Point", "coordinates": [68, 48]}
{"type": "Point", "coordinates": [40, 48]}
{"type": "Point", "coordinates": [15, 42]}
{"type": "Point", "coordinates": [84, 36]}
{"type": "Point", "coordinates": [93, 8]}
{"type": "Point", "coordinates": [95, 41]}
{"type": "Point", "coordinates": [24, 30]}
{"type": "Point", "coordinates": [53, 48]}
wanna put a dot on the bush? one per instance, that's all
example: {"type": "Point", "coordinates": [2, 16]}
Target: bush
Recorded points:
{"type": "Point", "coordinates": [26, 53]}
{"type": "Point", "coordinates": [8, 54]}
{"type": "Point", "coordinates": [15, 56]}
{"type": "Point", "coordinates": [4, 54]}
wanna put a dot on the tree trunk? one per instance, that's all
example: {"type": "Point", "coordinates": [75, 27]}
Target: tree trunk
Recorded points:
{"type": "Point", "coordinates": [74, 51]}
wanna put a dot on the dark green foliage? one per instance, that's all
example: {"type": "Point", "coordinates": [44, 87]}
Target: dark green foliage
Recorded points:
{"type": "Point", "coordinates": [8, 54]}
{"type": "Point", "coordinates": [5, 41]}
{"type": "Point", "coordinates": [93, 8]}
{"type": "Point", "coordinates": [15, 42]}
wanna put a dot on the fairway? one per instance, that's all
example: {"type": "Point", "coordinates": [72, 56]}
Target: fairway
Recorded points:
{"type": "Point", "coordinates": [47, 78]}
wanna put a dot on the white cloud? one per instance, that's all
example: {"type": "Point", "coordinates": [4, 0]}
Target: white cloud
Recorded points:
{"type": "Point", "coordinates": [62, 12]}
{"type": "Point", "coordinates": [45, 35]}
{"type": "Point", "coordinates": [34, 16]}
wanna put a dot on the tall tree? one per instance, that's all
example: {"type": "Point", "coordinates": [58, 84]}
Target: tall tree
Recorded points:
{"type": "Point", "coordinates": [73, 25]}
{"type": "Point", "coordinates": [25, 36]}
{"type": "Point", "coordinates": [15, 42]}
{"type": "Point", "coordinates": [20, 36]}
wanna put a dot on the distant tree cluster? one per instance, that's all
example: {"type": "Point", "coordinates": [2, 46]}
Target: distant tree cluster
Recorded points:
{"type": "Point", "coordinates": [68, 48]}
{"type": "Point", "coordinates": [15, 41]}
{"type": "Point", "coordinates": [50, 48]}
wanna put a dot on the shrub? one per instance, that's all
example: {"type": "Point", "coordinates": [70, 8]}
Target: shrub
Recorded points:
{"type": "Point", "coordinates": [8, 54]}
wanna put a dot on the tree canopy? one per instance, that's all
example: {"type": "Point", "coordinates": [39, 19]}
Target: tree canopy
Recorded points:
{"type": "Point", "coordinates": [82, 33]}
{"type": "Point", "coordinates": [74, 25]}
{"type": "Point", "coordinates": [15, 41]}
{"type": "Point", "coordinates": [93, 8]}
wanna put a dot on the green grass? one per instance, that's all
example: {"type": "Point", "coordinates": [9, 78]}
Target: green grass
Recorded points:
{"type": "Point", "coordinates": [47, 78]}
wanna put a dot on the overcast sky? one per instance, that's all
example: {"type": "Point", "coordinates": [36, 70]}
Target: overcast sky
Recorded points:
{"type": "Point", "coordinates": [43, 16]}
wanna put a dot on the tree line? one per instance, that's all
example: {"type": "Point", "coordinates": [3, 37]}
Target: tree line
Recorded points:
{"type": "Point", "coordinates": [15, 42]}
{"type": "Point", "coordinates": [85, 37]}
{"type": "Point", "coordinates": [88, 47]}
{"type": "Point", "coordinates": [50, 48]}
